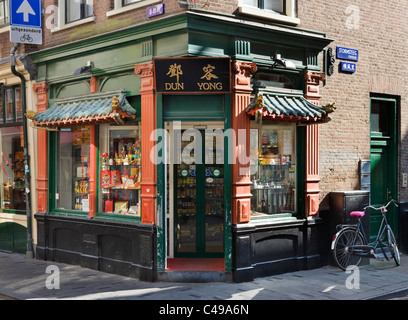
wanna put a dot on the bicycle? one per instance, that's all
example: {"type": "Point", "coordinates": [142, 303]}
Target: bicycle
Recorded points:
{"type": "Point", "coordinates": [26, 37]}
{"type": "Point", "coordinates": [350, 244]}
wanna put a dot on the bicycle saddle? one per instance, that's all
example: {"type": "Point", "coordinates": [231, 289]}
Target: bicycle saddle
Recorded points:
{"type": "Point", "coordinates": [358, 214]}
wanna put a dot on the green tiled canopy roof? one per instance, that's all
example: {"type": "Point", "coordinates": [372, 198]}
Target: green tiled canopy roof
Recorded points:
{"type": "Point", "coordinates": [286, 106]}
{"type": "Point", "coordinates": [94, 108]}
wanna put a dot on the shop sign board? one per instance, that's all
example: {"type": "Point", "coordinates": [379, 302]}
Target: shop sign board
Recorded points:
{"type": "Point", "coordinates": [348, 67]}
{"type": "Point", "coordinates": [25, 21]}
{"type": "Point", "coordinates": [192, 75]}
{"type": "Point", "coordinates": [347, 54]}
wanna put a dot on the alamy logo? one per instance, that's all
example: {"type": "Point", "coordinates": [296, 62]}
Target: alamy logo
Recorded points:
{"type": "Point", "coordinates": [53, 281]}
{"type": "Point", "coordinates": [353, 281]}
{"type": "Point", "coordinates": [353, 17]}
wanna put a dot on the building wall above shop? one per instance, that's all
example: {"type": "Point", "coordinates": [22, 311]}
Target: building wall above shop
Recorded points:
{"type": "Point", "coordinates": [194, 33]}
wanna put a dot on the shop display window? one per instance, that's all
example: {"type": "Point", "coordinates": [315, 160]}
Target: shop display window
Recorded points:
{"type": "Point", "coordinates": [120, 170]}
{"type": "Point", "coordinates": [73, 166]}
{"type": "Point", "coordinates": [13, 173]}
{"type": "Point", "coordinates": [9, 105]}
{"type": "Point", "coordinates": [11, 108]}
{"type": "Point", "coordinates": [273, 168]}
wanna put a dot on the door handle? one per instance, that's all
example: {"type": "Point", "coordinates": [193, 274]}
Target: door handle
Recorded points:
{"type": "Point", "coordinates": [388, 194]}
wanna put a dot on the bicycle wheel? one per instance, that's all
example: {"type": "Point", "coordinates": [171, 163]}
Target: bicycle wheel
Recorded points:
{"type": "Point", "coordinates": [392, 245]}
{"type": "Point", "coordinates": [341, 249]}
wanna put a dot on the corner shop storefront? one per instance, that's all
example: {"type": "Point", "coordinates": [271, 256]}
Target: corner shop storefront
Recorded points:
{"type": "Point", "coordinates": [13, 204]}
{"type": "Point", "coordinates": [159, 212]}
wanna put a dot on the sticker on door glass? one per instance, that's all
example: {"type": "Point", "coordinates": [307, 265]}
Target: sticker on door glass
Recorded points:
{"type": "Point", "coordinates": [216, 172]}
{"type": "Point", "coordinates": [184, 173]}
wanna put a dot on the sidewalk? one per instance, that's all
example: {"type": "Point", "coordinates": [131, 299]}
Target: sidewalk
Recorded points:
{"type": "Point", "coordinates": [22, 278]}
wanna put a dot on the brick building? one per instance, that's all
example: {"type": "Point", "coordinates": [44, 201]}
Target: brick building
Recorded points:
{"type": "Point", "coordinates": [127, 214]}
{"type": "Point", "coordinates": [377, 84]}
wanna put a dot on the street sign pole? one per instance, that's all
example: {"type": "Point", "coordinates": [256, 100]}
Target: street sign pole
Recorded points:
{"type": "Point", "coordinates": [25, 27]}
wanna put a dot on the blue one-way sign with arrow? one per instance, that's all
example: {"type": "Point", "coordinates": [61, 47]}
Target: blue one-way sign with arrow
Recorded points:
{"type": "Point", "coordinates": [25, 13]}
{"type": "Point", "coordinates": [25, 21]}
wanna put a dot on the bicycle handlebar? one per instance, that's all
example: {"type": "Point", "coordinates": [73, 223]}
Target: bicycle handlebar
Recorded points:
{"type": "Point", "coordinates": [383, 207]}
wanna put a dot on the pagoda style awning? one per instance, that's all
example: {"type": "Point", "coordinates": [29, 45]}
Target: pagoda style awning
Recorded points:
{"type": "Point", "coordinates": [287, 107]}
{"type": "Point", "coordinates": [92, 109]}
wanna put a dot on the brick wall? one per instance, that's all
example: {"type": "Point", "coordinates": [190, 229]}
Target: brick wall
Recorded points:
{"type": "Point", "coordinates": [102, 23]}
{"type": "Point", "coordinates": [378, 30]}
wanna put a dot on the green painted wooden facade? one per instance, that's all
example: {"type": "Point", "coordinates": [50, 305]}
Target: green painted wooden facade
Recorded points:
{"type": "Point", "coordinates": [194, 33]}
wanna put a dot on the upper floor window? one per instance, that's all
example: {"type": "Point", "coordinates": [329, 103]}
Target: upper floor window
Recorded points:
{"type": "Point", "coordinates": [77, 10]}
{"type": "Point", "coordinates": [3, 12]}
{"type": "Point", "coordinates": [278, 10]}
{"type": "Point", "coordinates": [120, 6]}
{"type": "Point", "coordinates": [277, 6]}
{"type": "Point", "coordinates": [11, 109]}
{"type": "Point", "coordinates": [127, 2]}
{"type": "Point", "coordinates": [71, 13]}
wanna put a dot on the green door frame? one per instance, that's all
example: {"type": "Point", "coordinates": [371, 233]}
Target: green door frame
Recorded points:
{"type": "Point", "coordinates": [200, 213]}
{"type": "Point", "coordinates": [161, 211]}
{"type": "Point", "coordinates": [384, 152]}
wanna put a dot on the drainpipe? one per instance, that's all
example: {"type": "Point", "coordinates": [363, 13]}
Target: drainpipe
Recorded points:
{"type": "Point", "coordinates": [30, 251]}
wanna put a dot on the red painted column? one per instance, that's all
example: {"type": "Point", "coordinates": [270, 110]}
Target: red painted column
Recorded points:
{"type": "Point", "coordinates": [241, 180]}
{"type": "Point", "coordinates": [94, 84]}
{"type": "Point", "coordinates": [312, 146]}
{"type": "Point", "coordinates": [148, 182]}
{"type": "Point", "coordinates": [92, 171]}
{"type": "Point", "coordinates": [42, 150]}
{"type": "Point", "coordinates": [93, 157]}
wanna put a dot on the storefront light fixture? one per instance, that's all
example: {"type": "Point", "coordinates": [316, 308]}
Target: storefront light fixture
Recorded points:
{"type": "Point", "coordinates": [279, 61]}
{"type": "Point", "coordinates": [87, 68]}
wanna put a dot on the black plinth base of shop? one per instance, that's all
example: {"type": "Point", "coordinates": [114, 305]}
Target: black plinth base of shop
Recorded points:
{"type": "Point", "coordinates": [342, 203]}
{"type": "Point", "coordinates": [267, 248]}
{"type": "Point", "coordinates": [127, 249]}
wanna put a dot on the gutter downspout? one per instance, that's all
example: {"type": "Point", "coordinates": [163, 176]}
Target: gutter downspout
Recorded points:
{"type": "Point", "coordinates": [30, 251]}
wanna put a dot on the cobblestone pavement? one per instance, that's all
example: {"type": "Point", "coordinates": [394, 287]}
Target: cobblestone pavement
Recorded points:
{"type": "Point", "coordinates": [22, 278]}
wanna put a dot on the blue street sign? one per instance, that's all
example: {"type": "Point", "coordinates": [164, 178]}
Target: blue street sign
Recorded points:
{"type": "Point", "coordinates": [347, 54]}
{"type": "Point", "coordinates": [348, 67]}
{"type": "Point", "coordinates": [25, 21]}
{"type": "Point", "coordinates": [25, 13]}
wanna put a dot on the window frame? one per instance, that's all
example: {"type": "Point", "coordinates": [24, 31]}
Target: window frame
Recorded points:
{"type": "Point", "coordinates": [55, 188]}
{"type": "Point", "coordinates": [82, 15]}
{"type": "Point", "coordinates": [5, 20]}
{"type": "Point", "coordinates": [282, 126]}
{"type": "Point", "coordinates": [14, 123]}
{"type": "Point", "coordinates": [119, 7]}
{"type": "Point", "coordinates": [3, 115]}
{"type": "Point", "coordinates": [103, 140]}
{"type": "Point", "coordinates": [62, 25]}
{"type": "Point", "coordinates": [288, 16]}
{"type": "Point", "coordinates": [129, 4]}
{"type": "Point", "coordinates": [261, 5]}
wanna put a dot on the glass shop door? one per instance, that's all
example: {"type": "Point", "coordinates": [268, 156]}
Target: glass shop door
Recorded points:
{"type": "Point", "coordinates": [199, 195]}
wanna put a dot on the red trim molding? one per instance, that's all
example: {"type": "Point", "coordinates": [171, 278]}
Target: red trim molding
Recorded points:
{"type": "Point", "coordinates": [93, 155]}
{"type": "Point", "coordinates": [94, 84]}
{"type": "Point", "coordinates": [42, 150]}
{"type": "Point", "coordinates": [241, 180]}
{"type": "Point", "coordinates": [312, 80]}
{"type": "Point", "coordinates": [148, 182]}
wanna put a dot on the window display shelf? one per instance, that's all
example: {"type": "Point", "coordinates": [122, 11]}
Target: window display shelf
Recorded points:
{"type": "Point", "coordinates": [120, 172]}
{"type": "Point", "coordinates": [273, 166]}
